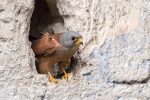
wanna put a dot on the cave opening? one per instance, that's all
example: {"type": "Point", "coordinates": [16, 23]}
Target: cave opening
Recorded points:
{"type": "Point", "coordinates": [46, 18]}
{"type": "Point", "coordinates": [45, 15]}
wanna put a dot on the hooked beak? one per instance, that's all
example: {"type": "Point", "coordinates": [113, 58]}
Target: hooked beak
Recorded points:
{"type": "Point", "coordinates": [79, 41]}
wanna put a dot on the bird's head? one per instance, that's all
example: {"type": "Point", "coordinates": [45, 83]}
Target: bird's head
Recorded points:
{"type": "Point", "coordinates": [70, 39]}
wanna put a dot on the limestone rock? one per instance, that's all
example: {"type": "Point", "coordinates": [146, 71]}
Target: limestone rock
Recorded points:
{"type": "Point", "coordinates": [115, 55]}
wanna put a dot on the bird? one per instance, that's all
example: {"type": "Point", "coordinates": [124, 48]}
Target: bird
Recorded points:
{"type": "Point", "coordinates": [55, 50]}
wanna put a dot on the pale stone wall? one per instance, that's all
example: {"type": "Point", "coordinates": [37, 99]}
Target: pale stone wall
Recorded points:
{"type": "Point", "coordinates": [115, 54]}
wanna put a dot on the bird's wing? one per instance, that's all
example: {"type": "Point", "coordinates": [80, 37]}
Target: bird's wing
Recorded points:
{"type": "Point", "coordinates": [33, 37]}
{"type": "Point", "coordinates": [43, 45]}
{"type": "Point", "coordinates": [64, 54]}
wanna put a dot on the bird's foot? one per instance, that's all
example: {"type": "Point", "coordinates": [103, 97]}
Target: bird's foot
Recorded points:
{"type": "Point", "coordinates": [65, 77]}
{"type": "Point", "coordinates": [52, 79]}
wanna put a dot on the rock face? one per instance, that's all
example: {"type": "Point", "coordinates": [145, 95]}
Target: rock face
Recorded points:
{"type": "Point", "coordinates": [115, 55]}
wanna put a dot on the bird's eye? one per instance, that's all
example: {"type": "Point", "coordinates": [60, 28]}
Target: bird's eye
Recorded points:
{"type": "Point", "coordinates": [73, 38]}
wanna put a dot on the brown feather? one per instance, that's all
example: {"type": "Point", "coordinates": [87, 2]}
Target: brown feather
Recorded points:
{"type": "Point", "coordinates": [46, 43]}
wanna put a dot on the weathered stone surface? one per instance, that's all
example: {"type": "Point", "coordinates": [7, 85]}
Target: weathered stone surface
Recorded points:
{"type": "Point", "coordinates": [126, 58]}
{"type": "Point", "coordinates": [115, 53]}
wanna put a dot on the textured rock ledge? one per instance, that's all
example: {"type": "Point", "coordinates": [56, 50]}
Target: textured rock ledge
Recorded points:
{"type": "Point", "coordinates": [115, 54]}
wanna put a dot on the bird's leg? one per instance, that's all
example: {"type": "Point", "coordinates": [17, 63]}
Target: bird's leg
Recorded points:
{"type": "Point", "coordinates": [51, 78]}
{"type": "Point", "coordinates": [65, 74]}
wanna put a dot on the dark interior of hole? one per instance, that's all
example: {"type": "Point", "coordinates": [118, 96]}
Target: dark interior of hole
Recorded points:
{"type": "Point", "coordinates": [44, 15]}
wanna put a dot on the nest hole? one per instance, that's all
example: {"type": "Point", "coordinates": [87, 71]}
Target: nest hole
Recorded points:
{"type": "Point", "coordinates": [45, 15]}
{"type": "Point", "coordinates": [44, 18]}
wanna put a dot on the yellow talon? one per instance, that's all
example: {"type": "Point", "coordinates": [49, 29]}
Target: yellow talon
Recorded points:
{"type": "Point", "coordinates": [65, 75]}
{"type": "Point", "coordinates": [51, 78]}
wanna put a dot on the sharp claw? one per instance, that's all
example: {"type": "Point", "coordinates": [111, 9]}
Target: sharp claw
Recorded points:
{"type": "Point", "coordinates": [51, 78]}
{"type": "Point", "coordinates": [65, 77]}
